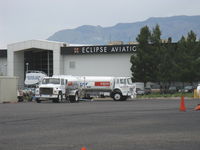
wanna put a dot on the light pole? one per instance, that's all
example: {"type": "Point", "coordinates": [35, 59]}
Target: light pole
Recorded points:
{"type": "Point", "coordinates": [27, 66]}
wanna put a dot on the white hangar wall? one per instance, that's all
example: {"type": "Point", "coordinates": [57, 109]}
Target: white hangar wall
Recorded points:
{"type": "Point", "coordinates": [98, 64]}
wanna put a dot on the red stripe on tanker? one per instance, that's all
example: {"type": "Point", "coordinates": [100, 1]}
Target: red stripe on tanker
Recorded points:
{"type": "Point", "coordinates": [102, 83]}
{"type": "Point", "coordinates": [70, 83]}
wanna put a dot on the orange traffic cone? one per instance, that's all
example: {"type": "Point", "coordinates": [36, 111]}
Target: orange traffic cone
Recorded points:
{"type": "Point", "coordinates": [197, 107]}
{"type": "Point", "coordinates": [83, 148]}
{"type": "Point", "coordinates": [182, 104]}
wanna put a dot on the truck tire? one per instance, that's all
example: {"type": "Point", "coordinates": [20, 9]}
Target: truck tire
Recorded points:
{"type": "Point", "coordinates": [38, 100]}
{"type": "Point", "coordinates": [74, 99]}
{"type": "Point", "coordinates": [117, 96]}
{"type": "Point", "coordinates": [55, 100]}
{"type": "Point", "coordinates": [59, 98]}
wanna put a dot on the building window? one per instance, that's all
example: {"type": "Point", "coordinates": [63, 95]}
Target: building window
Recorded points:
{"type": "Point", "coordinates": [72, 65]}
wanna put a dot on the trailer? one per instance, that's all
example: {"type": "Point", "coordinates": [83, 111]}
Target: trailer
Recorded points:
{"type": "Point", "coordinates": [119, 88]}
{"type": "Point", "coordinates": [33, 77]}
{"type": "Point", "coordinates": [73, 88]}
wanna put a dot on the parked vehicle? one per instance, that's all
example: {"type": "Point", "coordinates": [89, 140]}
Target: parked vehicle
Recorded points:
{"type": "Point", "coordinates": [155, 88]}
{"type": "Point", "coordinates": [188, 89]}
{"type": "Point", "coordinates": [26, 94]}
{"type": "Point", "coordinates": [139, 85]}
{"type": "Point", "coordinates": [140, 91]}
{"type": "Point", "coordinates": [57, 88]}
{"type": "Point", "coordinates": [147, 90]}
{"type": "Point", "coordinates": [172, 89]}
{"type": "Point", "coordinates": [73, 88]}
{"type": "Point", "coordinates": [34, 77]}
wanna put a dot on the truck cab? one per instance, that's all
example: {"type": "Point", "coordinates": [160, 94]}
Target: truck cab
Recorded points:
{"type": "Point", "coordinates": [57, 88]}
{"type": "Point", "coordinates": [51, 88]}
{"type": "Point", "coordinates": [123, 88]}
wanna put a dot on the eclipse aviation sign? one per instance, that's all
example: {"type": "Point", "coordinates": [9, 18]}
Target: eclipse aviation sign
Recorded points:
{"type": "Point", "coordinates": [98, 49]}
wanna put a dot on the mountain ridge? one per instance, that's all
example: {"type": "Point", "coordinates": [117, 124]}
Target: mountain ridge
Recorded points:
{"type": "Point", "coordinates": [175, 27]}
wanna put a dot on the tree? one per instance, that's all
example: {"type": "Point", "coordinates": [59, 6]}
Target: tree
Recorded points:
{"type": "Point", "coordinates": [156, 53]}
{"type": "Point", "coordinates": [188, 58]}
{"type": "Point", "coordinates": [165, 63]}
{"type": "Point", "coordinates": [193, 52]}
{"type": "Point", "coordinates": [145, 63]}
{"type": "Point", "coordinates": [141, 59]}
{"type": "Point", "coordinates": [167, 67]}
{"type": "Point", "coordinates": [155, 36]}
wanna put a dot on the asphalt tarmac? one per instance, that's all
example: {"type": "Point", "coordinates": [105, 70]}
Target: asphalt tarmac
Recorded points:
{"type": "Point", "coordinates": [100, 125]}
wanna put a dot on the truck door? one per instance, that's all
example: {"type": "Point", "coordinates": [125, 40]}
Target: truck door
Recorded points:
{"type": "Point", "coordinates": [124, 86]}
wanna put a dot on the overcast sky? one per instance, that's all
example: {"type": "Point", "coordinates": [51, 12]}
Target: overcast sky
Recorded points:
{"type": "Point", "coordinates": [22, 20]}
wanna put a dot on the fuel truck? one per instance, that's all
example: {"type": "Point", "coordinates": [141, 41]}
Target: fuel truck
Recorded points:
{"type": "Point", "coordinates": [73, 88]}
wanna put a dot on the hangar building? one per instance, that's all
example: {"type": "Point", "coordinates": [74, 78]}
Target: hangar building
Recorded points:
{"type": "Point", "coordinates": [61, 58]}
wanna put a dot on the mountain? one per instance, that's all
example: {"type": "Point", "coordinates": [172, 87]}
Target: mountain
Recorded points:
{"type": "Point", "coordinates": [174, 27]}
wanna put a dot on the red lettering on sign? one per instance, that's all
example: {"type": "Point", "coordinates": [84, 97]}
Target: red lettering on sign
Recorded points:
{"type": "Point", "coordinates": [102, 83]}
{"type": "Point", "coordinates": [70, 84]}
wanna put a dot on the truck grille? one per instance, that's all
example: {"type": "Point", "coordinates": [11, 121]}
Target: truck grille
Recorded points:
{"type": "Point", "coordinates": [46, 90]}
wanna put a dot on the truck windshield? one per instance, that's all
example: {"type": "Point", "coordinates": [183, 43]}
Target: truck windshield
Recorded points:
{"type": "Point", "coordinates": [129, 81]}
{"type": "Point", "coordinates": [122, 81]}
{"type": "Point", "coordinates": [51, 81]}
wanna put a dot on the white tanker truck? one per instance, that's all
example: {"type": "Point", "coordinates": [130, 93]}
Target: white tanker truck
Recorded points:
{"type": "Point", "coordinates": [73, 88]}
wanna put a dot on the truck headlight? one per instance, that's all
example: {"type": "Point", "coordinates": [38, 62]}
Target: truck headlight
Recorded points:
{"type": "Point", "coordinates": [37, 91]}
{"type": "Point", "coordinates": [55, 91]}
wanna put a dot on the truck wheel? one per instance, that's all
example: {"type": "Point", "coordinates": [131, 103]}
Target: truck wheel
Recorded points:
{"type": "Point", "coordinates": [117, 96]}
{"type": "Point", "coordinates": [74, 98]}
{"type": "Point", "coordinates": [55, 100]}
{"type": "Point", "coordinates": [60, 97]}
{"type": "Point", "coordinates": [38, 100]}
